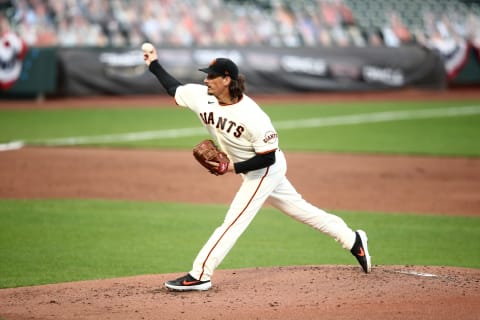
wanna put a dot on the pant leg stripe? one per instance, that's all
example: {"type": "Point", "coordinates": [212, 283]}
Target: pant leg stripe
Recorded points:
{"type": "Point", "coordinates": [234, 221]}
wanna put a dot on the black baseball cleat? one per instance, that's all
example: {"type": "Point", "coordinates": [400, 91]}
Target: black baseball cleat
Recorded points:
{"type": "Point", "coordinates": [188, 283]}
{"type": "Point", "coordinates": [360, 251]}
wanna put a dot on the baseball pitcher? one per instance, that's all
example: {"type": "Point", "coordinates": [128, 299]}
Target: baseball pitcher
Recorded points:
{"type": "Point", "coordinates": [246, 143]}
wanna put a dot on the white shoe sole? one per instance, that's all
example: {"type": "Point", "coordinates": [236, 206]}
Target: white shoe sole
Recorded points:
{"type": "Point", "coordinates": [364, 238]}
{"type": "Point", "coordinates": [199, 287]}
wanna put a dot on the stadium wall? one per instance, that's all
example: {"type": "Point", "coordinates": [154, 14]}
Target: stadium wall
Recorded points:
{"type": "Point", "coordinates": [99, 71]}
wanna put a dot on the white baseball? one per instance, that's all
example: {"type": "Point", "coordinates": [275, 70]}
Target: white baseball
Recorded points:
{"type": "Point", "coordinates": [147, 47]}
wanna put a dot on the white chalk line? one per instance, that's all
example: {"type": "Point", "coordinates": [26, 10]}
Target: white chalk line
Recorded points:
{"type": "Point", "coordinates": [123, 137]}
{"type": "Point", "coordinates": [13, 145]}
{"type": "Point", "coordinates": [289, 124]}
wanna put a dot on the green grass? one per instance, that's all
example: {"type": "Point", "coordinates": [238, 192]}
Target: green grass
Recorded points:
{"type": "Point", "coordinates": [448, 136]}
{"type": "Point", "coordinates": [436, 136]}
{"type": "Point", "coordinates": [58, 123]}
{"type": "Point", "coordinates": [49, 241]}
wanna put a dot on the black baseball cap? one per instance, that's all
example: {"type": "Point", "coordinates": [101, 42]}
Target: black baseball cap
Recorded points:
{"type": "Point", "coordinates": [222, 67]}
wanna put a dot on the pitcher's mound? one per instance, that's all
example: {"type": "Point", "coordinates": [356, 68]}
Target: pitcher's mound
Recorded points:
{"type": "Point", "coordinates": [303, 292]}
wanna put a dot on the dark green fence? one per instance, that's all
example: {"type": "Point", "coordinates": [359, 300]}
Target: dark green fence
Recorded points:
{"type": "Point", "coordinates": [96, 71]}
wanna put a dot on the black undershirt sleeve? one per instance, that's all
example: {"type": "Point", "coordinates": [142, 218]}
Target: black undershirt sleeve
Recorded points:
{"type": "Point", "coordinates": [259, 161]}
{"type": "Point", "coordinates": [167, 80]}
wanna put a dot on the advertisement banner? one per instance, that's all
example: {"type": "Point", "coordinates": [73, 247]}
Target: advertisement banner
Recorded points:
{"type": "Point", "coordinates": [268, 70]}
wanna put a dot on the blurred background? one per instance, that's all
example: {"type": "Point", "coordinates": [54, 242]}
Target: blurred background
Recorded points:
{"type": "Point", "coordinates": [87, 47]}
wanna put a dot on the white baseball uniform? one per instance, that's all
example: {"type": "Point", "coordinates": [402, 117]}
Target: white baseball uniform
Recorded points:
{"type": "Point", "coordinates": [243, 130]}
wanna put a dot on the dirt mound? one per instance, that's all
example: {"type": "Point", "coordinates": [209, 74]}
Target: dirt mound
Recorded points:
{"type": "Point", "coordinates": [308, 292]}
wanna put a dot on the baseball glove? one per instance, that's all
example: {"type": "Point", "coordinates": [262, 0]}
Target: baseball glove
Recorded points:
{"type": "Point", "coordinates": [207, 151]}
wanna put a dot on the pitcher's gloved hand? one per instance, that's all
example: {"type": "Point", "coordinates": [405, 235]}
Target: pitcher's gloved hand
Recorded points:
{"type": "Point", "coordinates": [210, 157]}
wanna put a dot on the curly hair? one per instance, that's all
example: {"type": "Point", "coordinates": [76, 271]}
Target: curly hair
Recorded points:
{"type": "Point", "coordinates": [237, 87]}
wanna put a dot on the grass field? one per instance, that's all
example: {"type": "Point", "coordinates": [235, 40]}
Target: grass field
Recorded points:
{"type": "Point", "coordinates": [47, 241]}
{"type": "Point", "coordinates": [340, 128]}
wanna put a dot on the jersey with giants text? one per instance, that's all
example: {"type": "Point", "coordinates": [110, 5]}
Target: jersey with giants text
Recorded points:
{"type": "Point", "coordinates": [242, 129]}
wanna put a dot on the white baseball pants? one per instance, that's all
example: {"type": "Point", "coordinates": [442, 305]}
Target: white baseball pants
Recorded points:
{"type": "Point", "coordinates": [258, 186]}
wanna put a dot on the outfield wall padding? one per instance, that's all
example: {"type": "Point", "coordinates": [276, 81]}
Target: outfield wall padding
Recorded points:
{"type": "Point", "coordinates": [122, 71]}
{"type": "Point", "coordinates": [268, 70]}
